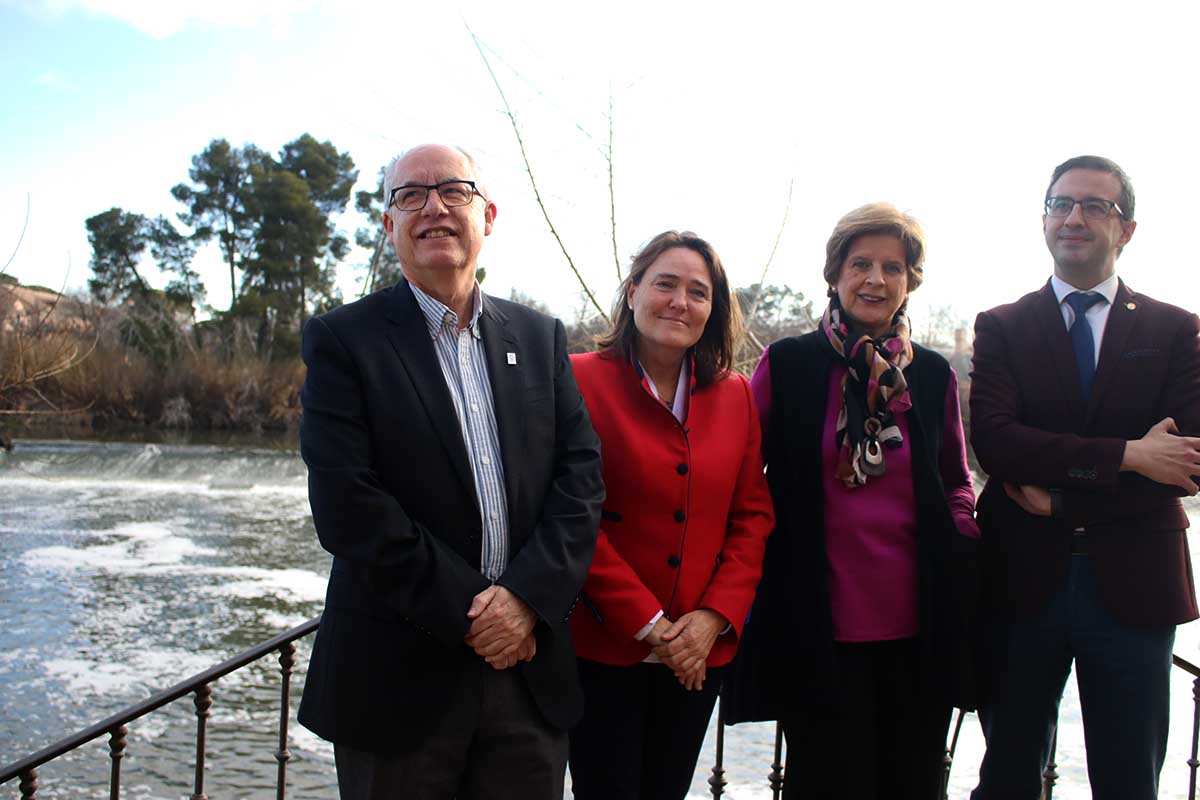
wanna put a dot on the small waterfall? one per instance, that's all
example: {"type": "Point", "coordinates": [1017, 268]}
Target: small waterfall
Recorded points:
{"type": "Point", "coordinates": [203, 466]}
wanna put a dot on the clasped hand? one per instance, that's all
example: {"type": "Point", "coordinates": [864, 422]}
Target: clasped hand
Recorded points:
{"type": "Point", "coordinates": [502, 627]}
{"type": "Point", "coordinates": [683, 645]}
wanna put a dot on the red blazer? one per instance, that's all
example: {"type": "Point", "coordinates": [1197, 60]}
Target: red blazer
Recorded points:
{"type": "Point", "coordinates": [687, 510]}
{"type": "Point", "coordinates": [1029, 424]}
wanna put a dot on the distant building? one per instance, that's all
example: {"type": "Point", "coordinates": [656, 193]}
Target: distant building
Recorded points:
{"type": "Point", "coordinates": [27, 307]}
{"type": "Point", "coordinates": [960, 359]}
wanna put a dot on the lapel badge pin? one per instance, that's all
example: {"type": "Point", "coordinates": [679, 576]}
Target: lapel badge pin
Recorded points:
{"type": "Point", "coordinates": [512, 358]}
{"type": "Point", "coordinates": [1131, 306]}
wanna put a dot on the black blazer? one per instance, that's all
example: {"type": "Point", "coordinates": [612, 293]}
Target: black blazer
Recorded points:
{"type": "Point", "coordinates": [1029, 424]}
{"type": "Point", "coordinates": [786, 661]}
{"type": "Point", "coordinates": [393, 499]}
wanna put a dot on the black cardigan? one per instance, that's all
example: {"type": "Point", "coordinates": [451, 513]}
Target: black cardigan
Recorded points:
{"type": "Point", "coordinates": [786, 658]}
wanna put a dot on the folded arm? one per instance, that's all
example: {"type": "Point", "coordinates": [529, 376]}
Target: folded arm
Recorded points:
{"type": "Point", "coordinates": [1119, 478]}
{"type": "Point", "coordinates": [1011, 450]}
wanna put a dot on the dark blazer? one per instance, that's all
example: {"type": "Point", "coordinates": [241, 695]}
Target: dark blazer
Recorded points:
{"type": "Point", "coordinates": [1030, 425]}
{"type": "Point", "coordinates": [393, 499]}
{"type": "Point", "coordinates": [786, 661]}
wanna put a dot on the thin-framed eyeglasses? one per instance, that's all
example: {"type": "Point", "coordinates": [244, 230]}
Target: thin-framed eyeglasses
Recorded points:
{"type": "Point", "coordinates": [454, 192]}
{"type": "Point", "coordinates": [1093, 207]}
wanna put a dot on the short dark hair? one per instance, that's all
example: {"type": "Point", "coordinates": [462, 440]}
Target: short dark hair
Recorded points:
{"type": "Point", "coordinates": [873, 219]}
{"type": "Point", "coordinates": [718, 343]}
{"type": "Point", "coordinates": [1100, 164]}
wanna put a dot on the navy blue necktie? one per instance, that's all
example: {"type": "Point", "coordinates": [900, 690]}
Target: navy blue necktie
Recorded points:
{"type": "Point", "coordinates": [1081, 338]}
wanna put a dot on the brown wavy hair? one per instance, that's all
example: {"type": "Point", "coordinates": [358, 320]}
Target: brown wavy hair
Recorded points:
{"type": "Point", "coordinates": [715, 350]}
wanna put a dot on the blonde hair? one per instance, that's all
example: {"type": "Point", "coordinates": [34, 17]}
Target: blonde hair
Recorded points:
{"type": "Point", "coordinates": [874, 219]}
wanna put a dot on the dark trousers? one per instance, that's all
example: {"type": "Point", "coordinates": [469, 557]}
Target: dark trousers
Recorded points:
{"type": "Point", "coordinates": [882, 736]}
{"type": "Point", "coordinates": [1123, 674]}
{"type": "Point", "coordinates": [640, 734]}
{"type": "Point", "coordinates": [491, 744]}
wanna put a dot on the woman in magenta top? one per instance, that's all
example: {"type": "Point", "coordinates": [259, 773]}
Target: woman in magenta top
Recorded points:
{"type": "Point", "coordinates": [858, 637]}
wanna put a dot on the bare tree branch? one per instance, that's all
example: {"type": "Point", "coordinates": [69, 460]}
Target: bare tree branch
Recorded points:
{"type": "Point", "coordinates": [41, 323]}
{"type": "Point", "coordinates": [763, 277]}
{"type": "Point", "coordinates": [373, 269]}
{"type": "Point", "coordinates": [755, 340]}
{"type": "Point", "coordinates": [612, 202]}
{"type": "Point", "coordinates": [31, 355]}
{"type": "Point", "coordinates": [550, 102]}
{"type": "Point", "coordinates": [21, 238]}
{"type": "Point", "coordinates": [532, 181]}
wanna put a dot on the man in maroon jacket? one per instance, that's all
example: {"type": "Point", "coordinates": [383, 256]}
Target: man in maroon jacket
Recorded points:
{"type": "Point", "coordinates": [1084, 402]}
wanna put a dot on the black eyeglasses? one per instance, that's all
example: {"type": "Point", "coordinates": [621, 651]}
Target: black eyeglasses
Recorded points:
{"type": "Point", "coordinates": [1093, 207]}
{"type": "Point", "coordinates": [414, 196]}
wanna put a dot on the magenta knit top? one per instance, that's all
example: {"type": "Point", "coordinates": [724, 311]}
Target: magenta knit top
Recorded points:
{"type": "Point", "coordinates": [870, 531]}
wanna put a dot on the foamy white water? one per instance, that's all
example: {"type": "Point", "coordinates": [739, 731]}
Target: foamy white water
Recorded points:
{"type": "Point", "coordinates": [125, 568]}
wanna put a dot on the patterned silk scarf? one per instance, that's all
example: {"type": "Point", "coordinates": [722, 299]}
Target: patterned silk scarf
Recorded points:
{"type": "Point", "coordinates": [873, 392]}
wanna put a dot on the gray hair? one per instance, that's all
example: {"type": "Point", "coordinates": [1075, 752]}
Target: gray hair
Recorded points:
{"type": "Point", "coordinates": [389, 174]}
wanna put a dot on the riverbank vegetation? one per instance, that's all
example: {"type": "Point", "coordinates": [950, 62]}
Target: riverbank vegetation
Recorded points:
{"type": "Point", "coordinates": [147, 362]}
{"type": "Point", "coordinates": [129, 353]}
{"type": "Point", "coordinates": [126, 353]}
{"type": "Point", "coordinates": [117, 366]}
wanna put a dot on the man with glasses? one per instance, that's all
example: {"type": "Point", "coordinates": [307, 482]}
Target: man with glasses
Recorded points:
{"type": "Point", "coordinates": [1084, 403]}
{"type": "Point", "coordinates": [455, 477]}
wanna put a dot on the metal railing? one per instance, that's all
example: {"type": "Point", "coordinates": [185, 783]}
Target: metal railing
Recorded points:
{"type": "Point", "coordinates": [1050, 774]}
{"type": "Point", "coordinates": [200, 685]}
{"type": "Point", "coordinates": [718, 782]}
{"type": "Point", "coordinates": [117, 726]}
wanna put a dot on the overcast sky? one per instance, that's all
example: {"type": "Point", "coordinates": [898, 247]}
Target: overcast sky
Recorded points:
{"type": "Point", "coordinates": [956, 112]}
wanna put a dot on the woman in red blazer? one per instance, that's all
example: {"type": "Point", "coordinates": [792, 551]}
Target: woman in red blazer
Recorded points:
{"type": "Point", "coordinates": [684, 526]}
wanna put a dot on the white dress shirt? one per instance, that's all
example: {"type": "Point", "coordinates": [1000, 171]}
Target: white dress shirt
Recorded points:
{"type": "Point", "coordinates": [463, 360]}
{"type": "Point", "coordinates": [1097, 315]}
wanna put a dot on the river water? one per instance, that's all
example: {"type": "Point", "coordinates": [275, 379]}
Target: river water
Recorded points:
{"type": "Point", "coordinates": [126, 567]}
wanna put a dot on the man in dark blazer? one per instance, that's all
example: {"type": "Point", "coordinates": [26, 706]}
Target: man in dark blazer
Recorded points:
{"type": "Point", "coordinates": [455, 477]}
{"type": "Point", "coordinates": [1084, 401]}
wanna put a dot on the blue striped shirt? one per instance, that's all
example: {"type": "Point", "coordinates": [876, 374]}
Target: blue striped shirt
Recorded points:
{"type": "Point", "coordinates": [463, 360]}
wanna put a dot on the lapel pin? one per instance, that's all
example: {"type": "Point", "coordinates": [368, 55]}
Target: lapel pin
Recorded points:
{"type": "Point", "coordinates": [512, 358]}
{"type": "Point", "coordinates": [1131, 306]}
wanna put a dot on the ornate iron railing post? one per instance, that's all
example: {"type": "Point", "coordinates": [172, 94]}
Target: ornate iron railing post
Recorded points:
{"type": "Point", "coordinates": [287, 660]}
{"type": "Point", "coordinates": [1193, 763]}
{"type": "Point", "coordinates": [28, 784]}
{"type": "Point", "coordinates": [116, 751]}
{"type": "Point", "coordinates": [716, 783]}
{"type": "Point", "coordinates": [1050, 774]}
{"type": "Point", "coordinates": [203, 701]}
{"type": "Point", "coordinates": [775, 776]}
{"type": "Point", "coordinates": [948, 759]}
